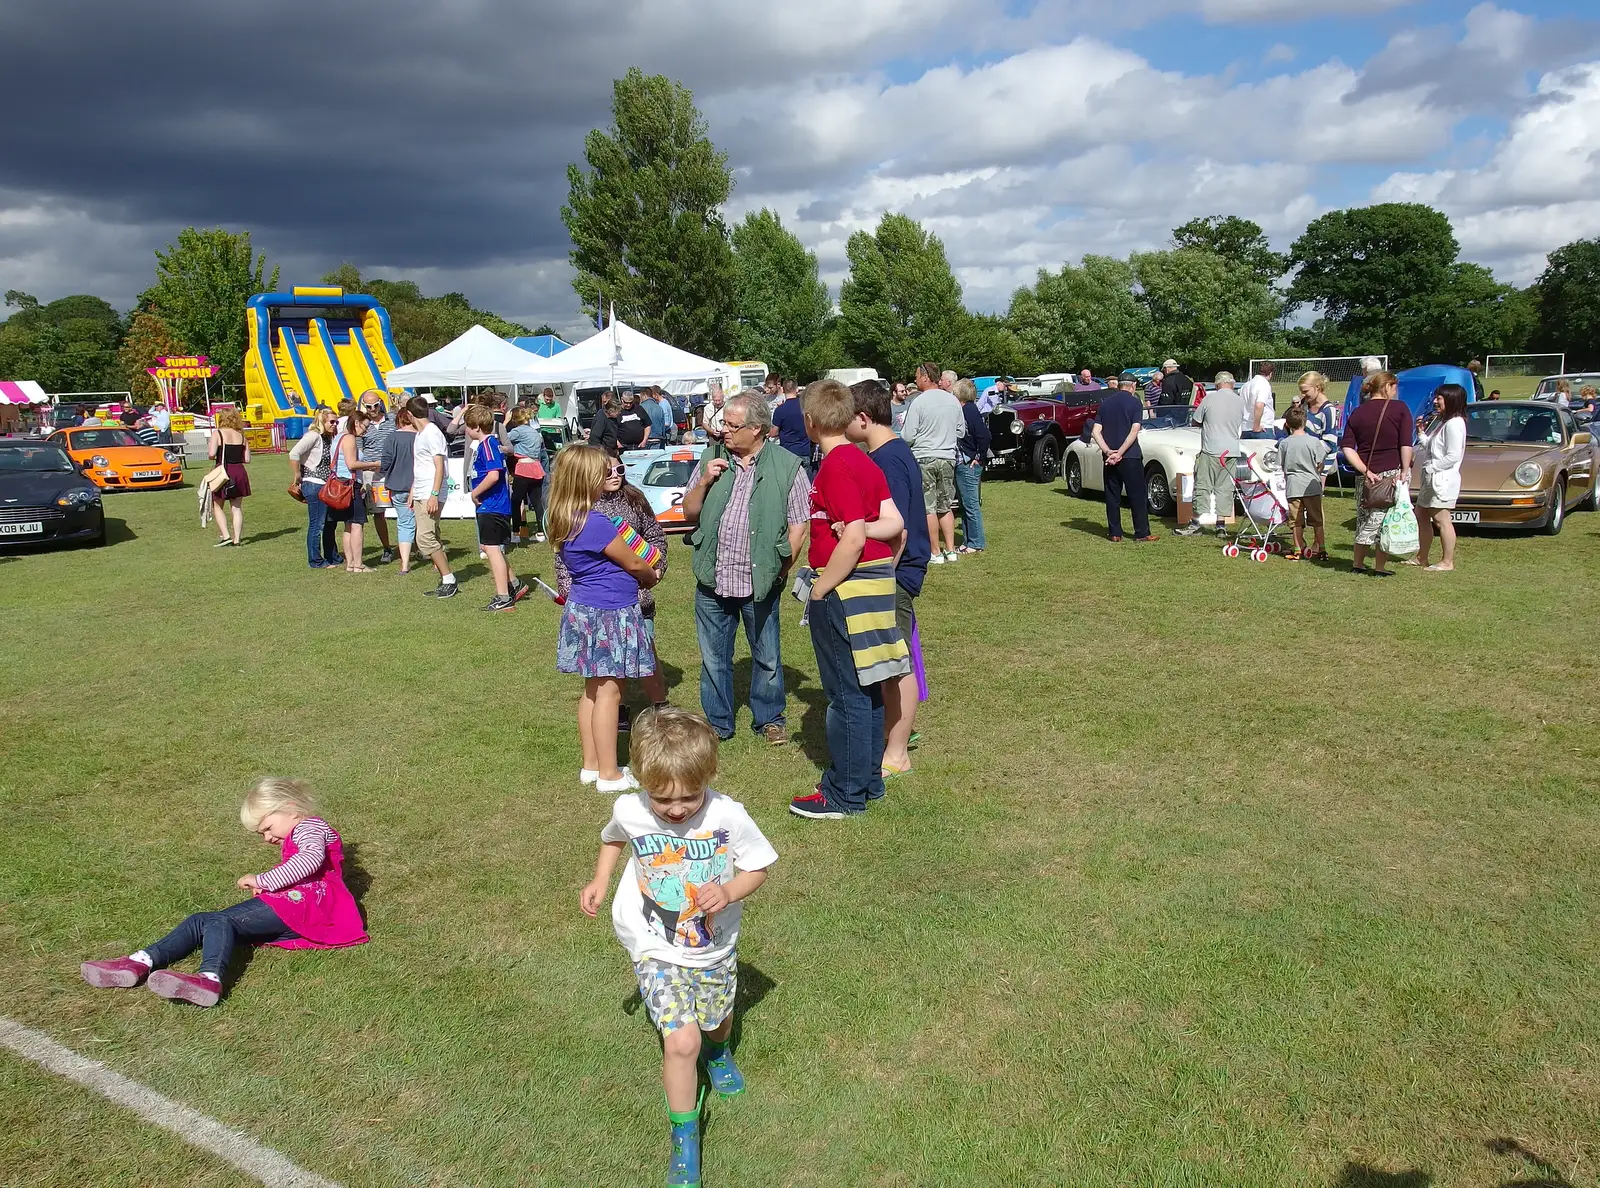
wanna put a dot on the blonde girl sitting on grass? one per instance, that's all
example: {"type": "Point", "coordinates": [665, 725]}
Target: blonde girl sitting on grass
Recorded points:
{"type": "Point", "coordinates": [302, 903]}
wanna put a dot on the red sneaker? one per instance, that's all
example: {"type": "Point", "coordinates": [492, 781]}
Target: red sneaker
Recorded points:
{"type": "Point", "coordinates": [120, 973]}
{"type": "Point", "coordinates": [182, 987]}
{"type": "Point", "coordinates": [815, 807]}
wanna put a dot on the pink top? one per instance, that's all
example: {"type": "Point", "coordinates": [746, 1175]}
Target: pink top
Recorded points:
{"type": "Point", "coordinates": [307, 890]}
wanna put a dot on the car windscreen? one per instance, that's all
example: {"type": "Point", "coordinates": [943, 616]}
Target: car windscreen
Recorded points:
{"type": "Point", "coordinates": [668, 472]}
{"type": "Point", "coordinates": [40, 458]}
{"type": "Point", "coordinates": [1168, 416]}
{"type": "Point", "coordinates": [1512, 424]}
{"type": "Point", "coordinates": [101, 439]}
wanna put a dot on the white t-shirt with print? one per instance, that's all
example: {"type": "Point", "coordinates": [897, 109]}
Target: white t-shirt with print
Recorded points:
{"type": "Point", "coordinates": [430, 444]}
{"type": "Point", "coordinates": [1257, 391]}
{"type": "Point", "coordinates": [654, 911]}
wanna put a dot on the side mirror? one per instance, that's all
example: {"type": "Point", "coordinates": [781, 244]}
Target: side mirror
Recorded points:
{"type": "Point", "coordinates": [1582, 437]}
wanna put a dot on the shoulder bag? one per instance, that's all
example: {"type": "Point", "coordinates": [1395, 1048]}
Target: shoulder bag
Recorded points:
{"type": "Point", "coordinates": [1377, 492]}
{"type": "Point", "coordinates": [217, 477]}
{"type": "Point", "coordinates": [337, 492]}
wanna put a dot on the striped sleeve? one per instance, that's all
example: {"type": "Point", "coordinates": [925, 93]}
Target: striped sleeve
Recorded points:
{"type": "Point", "coordinates": [311, 838]}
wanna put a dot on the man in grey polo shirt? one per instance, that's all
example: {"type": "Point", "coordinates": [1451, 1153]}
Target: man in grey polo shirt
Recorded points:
{"type": "Point", "coordinates": [1219, 417]}
{"type": "Point", "coordinates": [932, 426]}
{"type": "Point", "coordinates": [750, 503]}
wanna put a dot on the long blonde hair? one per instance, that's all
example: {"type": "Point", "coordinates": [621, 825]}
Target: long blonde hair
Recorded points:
{"type": "Point", "coordinates": [230, 418]}
{"type": "Point", "coordinates": [580, 475]}
{"type": "Point", "coordinates": [275, 794]}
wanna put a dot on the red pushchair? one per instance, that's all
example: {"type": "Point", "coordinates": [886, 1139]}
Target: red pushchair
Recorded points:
{"type": "Point", "coordinates": [1266, 507]}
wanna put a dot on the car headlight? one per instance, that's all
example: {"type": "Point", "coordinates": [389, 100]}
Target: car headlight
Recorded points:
{"type": "Point", "coordinates": [1528, 474]}
{"type": "Point", "coordinates": [99, 460]}
{"type": "Point", "coordinates": [171, 457]}
{"type": "Point", "coordinates": [1016, 427]}
{"type": "Point", "coordinates": [78, 498]}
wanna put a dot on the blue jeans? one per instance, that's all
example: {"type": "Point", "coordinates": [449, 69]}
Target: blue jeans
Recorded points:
{"type": "Point", "coordinates": [319, 529]}
{"type": "Point", "coordinates": [855, 714]}
{"type": "Point", "coordinates": [405, 517]}
{"type": "Point", "coordinates": [716, 622]}
{"type": "Point", "coordinates": [215, 934]}
{"type": "Point", "coordinates": [969, 478]}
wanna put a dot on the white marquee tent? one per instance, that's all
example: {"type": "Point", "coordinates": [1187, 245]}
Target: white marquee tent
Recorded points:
{"type": "Point", "coordinates": [622, 355]}
{"type": "Point", "coordinates": [478, 357]}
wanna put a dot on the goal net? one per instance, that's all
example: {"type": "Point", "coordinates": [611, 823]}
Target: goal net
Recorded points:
{"type": "Point", "coordinates": [1537, 366]}
{"type": "Point", "coordinates": [1339, 370]}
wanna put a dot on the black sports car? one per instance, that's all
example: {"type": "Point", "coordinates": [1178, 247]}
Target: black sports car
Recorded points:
{"type": "Point", "coordinates": [44, 497]}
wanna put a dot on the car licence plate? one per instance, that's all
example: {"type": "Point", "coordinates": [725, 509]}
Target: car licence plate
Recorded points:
{"type": "Point", "coordinates": [138, 474]}
{"type": "Point", "coordinates": [1464, 517]}
{"type": "Point", "coordinates": [31, 528]}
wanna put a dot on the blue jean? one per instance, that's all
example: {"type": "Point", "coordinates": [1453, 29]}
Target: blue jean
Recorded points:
{"type": "Point", "coordinates": [855, 714]}
{"type": "Point", "coordinates": [716, 622]}
{"type": "Point", "coordinates": [319, 529]}
{"type": "Point", "coordinates": [405, 517]}
{"type": "Point", "coordinates": [215, 934]}
{"type": "Point", "coordinates": [969, 480]}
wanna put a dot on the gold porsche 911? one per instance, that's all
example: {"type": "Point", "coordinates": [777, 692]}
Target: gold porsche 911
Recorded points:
{"type": "Point", "coordinates": [1528, 464]}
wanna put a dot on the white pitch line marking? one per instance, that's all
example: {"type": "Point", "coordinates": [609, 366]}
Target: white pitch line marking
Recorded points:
{"type": "Point", "coordinates": [237, 1148]}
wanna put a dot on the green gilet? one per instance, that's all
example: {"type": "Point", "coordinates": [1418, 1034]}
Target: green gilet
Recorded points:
{"type": "Point", "coordinates": [769, 517]}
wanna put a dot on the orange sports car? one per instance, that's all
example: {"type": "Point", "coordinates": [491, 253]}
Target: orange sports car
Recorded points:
{"type": "Point", "coordinates": [113, 460]}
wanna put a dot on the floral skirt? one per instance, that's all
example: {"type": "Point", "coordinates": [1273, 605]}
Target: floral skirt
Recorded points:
{"type": "Point", "coordinates": [606, 643]}
{"type": "Point", "coordinates": [1369, 520]}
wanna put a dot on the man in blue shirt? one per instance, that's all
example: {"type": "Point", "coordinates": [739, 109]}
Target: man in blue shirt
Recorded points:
{"type": "Point", "coordinates": [655, 408]}
{"type": "Point", "coordinates": [1116, 433]}
{"type": "Point", "coordinates": [789, 424]}
{"type": "Point", "coordinates": [874, 428]}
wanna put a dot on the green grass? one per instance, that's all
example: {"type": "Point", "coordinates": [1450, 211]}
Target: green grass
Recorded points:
{"type": "Point", "coordinates": [1211, 873]}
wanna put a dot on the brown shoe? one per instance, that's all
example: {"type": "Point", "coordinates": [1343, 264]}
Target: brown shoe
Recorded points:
{"type": "Point", "coordinates": [1152, 538]}
{"type": "Point", "coordinates": [775, 734]}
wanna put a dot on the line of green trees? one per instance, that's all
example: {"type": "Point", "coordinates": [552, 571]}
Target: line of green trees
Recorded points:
{"type": "Point", "coordinates": [197, 306]}
{"type": "Point", "coordinates": [644, 212]}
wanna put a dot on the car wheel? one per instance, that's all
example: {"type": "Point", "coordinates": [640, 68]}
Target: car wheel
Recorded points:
{"type": "Point", "coordinates": [1558, 509]}
{"type": "Point", "coordinates": [1158, 491]}
{"type": "Point", "coordinates": [1592, 500]}
{"type": "Point", "coordinates": [99, 538]}
{"type": "Point", "coordinates": [1072, 475]}
{"type": "Point", "coordinates": [1046, 459]}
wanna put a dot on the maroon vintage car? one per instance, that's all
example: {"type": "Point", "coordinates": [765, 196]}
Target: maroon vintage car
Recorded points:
{"type": "Point", "coordinates": [1030, 434]}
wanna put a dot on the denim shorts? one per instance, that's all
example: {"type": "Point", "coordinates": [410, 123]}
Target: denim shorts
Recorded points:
{"type": "Point", "coordinates": [404, 517]}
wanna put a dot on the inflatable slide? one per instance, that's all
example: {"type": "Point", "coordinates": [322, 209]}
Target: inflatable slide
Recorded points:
{"type": "Point", "coordinates": [311, 348]}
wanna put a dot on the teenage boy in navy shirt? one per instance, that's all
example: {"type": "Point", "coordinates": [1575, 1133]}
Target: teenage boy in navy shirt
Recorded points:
{"type": "Point", "coordinates": [1116, 433]}
{"type": "Point", "coordinates": [853, 517]}
{"type": "Point", "coordinates": [873, 428]}
{"type": "Point", "coordinates": [492, 497]}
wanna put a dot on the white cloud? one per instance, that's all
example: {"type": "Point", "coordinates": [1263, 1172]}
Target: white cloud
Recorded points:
{"type": "Point", "coordinates": [1539, 189]}
{"type": "Point", "coordinates": [1278, 52]}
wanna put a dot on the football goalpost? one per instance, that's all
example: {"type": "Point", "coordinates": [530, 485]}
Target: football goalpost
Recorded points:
{"type": "Point", "coordinates": [1534, 365]}
{"type": "Point", "coordinates": [1339, 370]}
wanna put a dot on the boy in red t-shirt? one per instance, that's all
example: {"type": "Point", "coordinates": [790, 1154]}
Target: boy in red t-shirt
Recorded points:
{"type": "Point", "coordinates": [858, 645]}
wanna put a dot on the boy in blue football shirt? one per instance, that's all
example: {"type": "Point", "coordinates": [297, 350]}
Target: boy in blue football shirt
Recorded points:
{"type": "Point", "coordinates": [492, 497]}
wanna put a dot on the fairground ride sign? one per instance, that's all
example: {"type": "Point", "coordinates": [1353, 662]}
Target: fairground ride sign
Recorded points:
{"type": "Point", "coordinates": [183, 367]}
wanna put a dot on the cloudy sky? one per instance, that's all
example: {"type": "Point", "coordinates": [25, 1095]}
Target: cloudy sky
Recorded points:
{"type": "Point", "coordinates": [431, 139]}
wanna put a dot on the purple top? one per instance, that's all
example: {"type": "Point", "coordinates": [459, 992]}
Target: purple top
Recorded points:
{"type": "Point", "coordinates": [597, 581]}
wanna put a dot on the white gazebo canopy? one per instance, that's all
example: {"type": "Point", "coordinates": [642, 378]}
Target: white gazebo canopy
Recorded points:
{"type": "Point", "coordinates": [620, 354]}
{"type": "Point", "coordinates": [478, 357]}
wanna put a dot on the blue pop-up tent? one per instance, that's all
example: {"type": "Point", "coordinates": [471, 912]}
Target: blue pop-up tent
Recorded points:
{"type": "Point", "coordinates": [1417, 386]}
{"type": "Point", "coordinates": [543, 345]}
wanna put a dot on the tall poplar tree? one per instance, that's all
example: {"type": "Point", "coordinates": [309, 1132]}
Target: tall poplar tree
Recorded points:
{"type": "Point", "coordinates": [645, 218]}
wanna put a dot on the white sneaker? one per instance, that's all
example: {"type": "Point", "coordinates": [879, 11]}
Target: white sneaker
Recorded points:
{"type": "Point", "coordinates": [952, 557]}
{"type": "Point", "coordinates": [612, 787]}
{"type": "Point", "coordinates": [936, 559]}
{"type": "Point", "coordinates": [539, 537]}
{"type": "Point", "coordinates": [587, 775]}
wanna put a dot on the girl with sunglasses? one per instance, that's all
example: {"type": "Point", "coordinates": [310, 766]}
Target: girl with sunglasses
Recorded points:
{"type": "Point", "coordinates": [605, 637]}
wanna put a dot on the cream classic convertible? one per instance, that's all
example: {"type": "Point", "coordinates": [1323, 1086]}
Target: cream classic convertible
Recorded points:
{"type": "Point", "coordinates": [1169, 444]}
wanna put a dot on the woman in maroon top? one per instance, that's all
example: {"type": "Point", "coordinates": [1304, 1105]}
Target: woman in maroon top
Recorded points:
{"type": "Point", "coordinates": [1377, 444]}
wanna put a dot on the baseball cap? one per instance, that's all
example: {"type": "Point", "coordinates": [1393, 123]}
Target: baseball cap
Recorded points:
{"type": "Point", "coordinates": [1170, 363]}
{"type": "Point", "coordinates": [428, 396]}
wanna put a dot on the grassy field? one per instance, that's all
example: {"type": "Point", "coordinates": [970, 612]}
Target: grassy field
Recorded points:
{"type": "Point", "coordinates": [1211, 873]}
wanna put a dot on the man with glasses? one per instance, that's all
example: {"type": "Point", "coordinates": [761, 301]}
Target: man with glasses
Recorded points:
{"type": "Point", "coordinates": [370, 448]}
{"type": "Point", "coordinates": [750, 504]}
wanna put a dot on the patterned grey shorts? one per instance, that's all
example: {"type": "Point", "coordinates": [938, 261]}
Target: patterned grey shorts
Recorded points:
{"type": "Point", "coordinates": [1369, 520]}
{"type": "Point", "coordinates": [677, 996]}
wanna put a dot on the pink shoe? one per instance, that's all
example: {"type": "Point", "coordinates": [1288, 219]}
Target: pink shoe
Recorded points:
{"type": "Point", "coordinates": [120, 973]}
{"type": "Point", "coordinates": [182, 987]}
